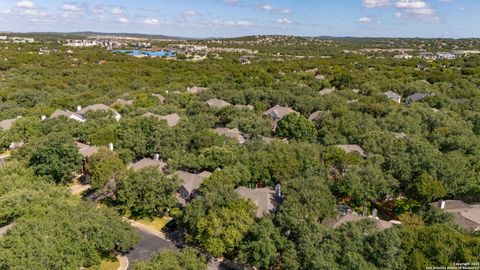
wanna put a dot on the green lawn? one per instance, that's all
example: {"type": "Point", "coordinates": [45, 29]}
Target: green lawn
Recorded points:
{"type": "Point", "coordinates": [156, 223]}
{"type": "Point", "coordinates": [109, 264]}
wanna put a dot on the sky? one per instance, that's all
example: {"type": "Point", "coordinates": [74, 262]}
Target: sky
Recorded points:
{"type": "Point", "coordinates": [233, 18]}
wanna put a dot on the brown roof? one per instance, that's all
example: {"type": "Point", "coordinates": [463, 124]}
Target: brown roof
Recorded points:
{"type": "Point", "coordinates": [86, 150]}
{"type": "Point", "coordinates": [217, 103]}
{"type": "Point", "coordinates": [147, 162]}
{"type": "Point", "coordinates": [351, 148]}
{"type": "Point", "coordinates": [231, 133]}
{"type": "Point", "coordinates": [278, 112]}
{"type": "Point", "coordinates": [8, 123]}
{"type": "Point", "coordinates": [465, 215]}
{"type": "Point", "coordinates": [172, 119]}
{"type": "Point", "coordinates": [191, 181]}
{"type": "Point", "coordinates": [263, 198]}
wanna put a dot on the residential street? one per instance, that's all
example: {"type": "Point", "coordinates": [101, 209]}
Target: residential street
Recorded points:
{"type": "Point", "coordinates": [149, 244]}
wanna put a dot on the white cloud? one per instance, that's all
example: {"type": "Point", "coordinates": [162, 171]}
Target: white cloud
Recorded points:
{"type": "Point", "coordinates": [375, 3]}
{"type": "Point", "coordinates": [417, 8]}
{"type": "Point", "coordinates": [71, 8]}
{"type": "Point", "coordinates": [283, 21]}
{"type": "Point", "coordinates": [25, 4]}
{"type": "Point", "coordinates": [232, 2]}
{"type": "Point", "coordinates": [117, 11]}
{"type": "Point", "coordinates": [151, 21]}
{"type": "Point", "coordinates": [270, 8]}
{"type": "Point", "coordinates": [123, 20]}
{"type": "Point", "coordinates": [365, 20]}
{"type": "Point", "coordinates": [239, 23]}
{"type": "Point", "coordinates": [190, 13]}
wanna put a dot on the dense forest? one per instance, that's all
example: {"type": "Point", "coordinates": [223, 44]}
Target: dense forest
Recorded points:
{"type": "Point", "coordinates": [413, 153]}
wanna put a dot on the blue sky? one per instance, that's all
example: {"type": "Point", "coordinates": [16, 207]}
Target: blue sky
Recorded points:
{"type": "Point", "coordinates": [230, 18]}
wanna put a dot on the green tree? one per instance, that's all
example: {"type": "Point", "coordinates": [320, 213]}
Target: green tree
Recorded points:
{"type": "Point", "coordinates": [106, 168]}
{"type": "Point", "coordinates": [171, 259]}
{"type": "Point", "coordinates": [295, 127]}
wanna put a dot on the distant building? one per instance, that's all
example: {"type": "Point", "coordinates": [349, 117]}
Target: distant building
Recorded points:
{"type": "Point", "coordinates": [393, 96]}
{"type": "Point", "coordinates": [244, 60]}
{"type": "Point", "coordinates": [196, 90]}
{"type": "Point", "coordinates": [98, 107]}
{"type": "Point", "coordinates": [327, 91]}
{"type": "Point", "coordinates": [190, 184]}
{"type": "Point", "coordinates": [352, 148]}
{"type": "Point", "coordinates": [445, 55]}
{"type": "Point", "coordinates": [68, 114]}
{"type": "Point", "coordinates": [277, 113]}
{"type": "Point", "coordinates": [354, 217]}
{"type": "Point", "coordinates": [86, 151]}
{"type": "Point", "coordinates": [172, 119]}
{"type": "Point", "coordinates": [161, 98]}
{"type": "Point", "coordinates": [416, 97]}
{"type": "Point", "coordinates": [8, 123]}
{"type": "Point", "coordinates": [217, 103]}
{"type": "Point", "coordinates": [315, 115]}
{"type": "Point", "coordinates": [265, 199]}
{"type": "Point", "coordinates": [403, 56]}
{"type": "Point", "coordinates": [465, 215]}
{"type": "Point", "coordinates": [427, 55]}
{"type": "Point", "coordinates": [244, 107]}
{"type": "Point", "coordinates": [231, 133]}
{"type": "Point", "coordinates": [148, 162]}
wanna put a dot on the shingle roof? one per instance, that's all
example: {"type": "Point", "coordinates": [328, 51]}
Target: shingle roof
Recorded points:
{"type": "Point", "coordinates": [217, 103]}
{"type": "Point", "coordinates": [7, 123]}
{"type": "Point", "coordinates": [86, 150]}
{"type": "Point", "coordinates": [350, 148]}
{"type": "Point", "coordinates": [172, 119]}
{"type": "Point", "coordinates": [196, 90]}
{"type": "Point", "coordinates": [231, 133]}
{"type": "Point", "coordinates": [98, 107]}
{"type": "Point", "coordinates": [191, 181]}
{"type": "Point", "coordinates": [416, 97]}
{"type": "Point", "coordinates": [263, 198]}
{"type": "Point", "coordinates": [68, 114]}
{"type": "Point", "coordinates": [147, 162]}
{"type": "Point", "coordinates": [278, 112]}
{"type": "Point", "coordinates": [124, 102]}
{"type": "Point", "coordinates": [354, 217]}
{"type": "Point", "coordinates": [466, 216]}
{"type": "Point", "coordinates": [327, 91]}
{"type": "Point", "coordinates": [316, 114]}
{"type": "Point", "coordinates": [393, 96]}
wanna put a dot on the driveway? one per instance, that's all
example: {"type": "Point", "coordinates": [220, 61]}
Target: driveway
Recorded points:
{"type": "Point", "coordinates": [148, 245]}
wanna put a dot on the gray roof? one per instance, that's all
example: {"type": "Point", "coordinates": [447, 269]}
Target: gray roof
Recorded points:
{"type": "Point", "coordinates": [68, 114]}
{"type": "Point", "coordinates": [278, 112]}
{"type": "Point", "coordinates": [263, 198]}
{"type": "Point", "coordinates": [354, 217]}
{"type": "Point", "coordinates": [124, 102]}
{"type": "Point", "coordinates": [416, 97]}
{"type": "Point", "coordinates": [172, 119]}
{"type": "Point", "coordinates": [196, 90]}
{"type": "Point", "coordinates": [191, 181]}
{"type": "Point", "coordinates": [465, 215]}
{"type": "Point", "coordinates": [98, 107]}
{"type": "Point", "coordinates": [217, 103]}
{"type": "Point", "coordinates": [327, 91]}
{"type": "Point", "coordinates": [351, 148]}
{"type": "Point", "coordinates": [320, 77]}
{"type": "Point", "coordinates": [231, 133]}
{"type": "Point", "coordinates": [161, 98]}
{"type": "Point", "coordinates": [7, 123]}
{"type": "Point", "coordinates": [316, 114]}
{"type": "Point", "coordinates": [147, 162]}
{"type": "Point", "coordinates": [393, 96]}
{"type": "Point", "coordinates": [86, 150]}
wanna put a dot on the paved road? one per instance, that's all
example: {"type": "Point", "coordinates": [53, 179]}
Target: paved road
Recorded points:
{"type": "Point", "coordinates": [148, 245]}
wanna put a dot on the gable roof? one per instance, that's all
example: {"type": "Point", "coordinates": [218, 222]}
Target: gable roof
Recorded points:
{"type": "Point", "coordinates": [416, 97]}
{"type": "Point", "coordinates": [231, 133]}
{"type": "Point", "coordinates": [86, 150]}
{"type": "Point", "coordinates": [263, 198]}
{"type": "Point", "coordinates": [217, 103]}
{"type": "Point", "coordinates": [68, 114]}
{"type": "Point", "coordinates": [172, 119]}
{"type": "Point", "coordinates": [278, 112]}
{"type": "Point", "coordinates": [147, 162]}
{"type": "Point", "coordinates": [316, 114]}
{"type": "Point", "coordinates": [191, 181]}
{"type": "Point", "coordinates": [393, 96]}
{"type": "Point", "coordinates": [327, 91]}
{"type": "Point", "coordinates": [196, 90]}
{"type": "Point", "coordinates": [350, 148]}
{"type": "Point", "coordinates": [8, 123]}
{"type": "Point", "coordinates": [465, 215]}
{"type": "Point", "coordinates": [98, 107]}
{"type": "Point", "coordinates": [124, 102]}
{"type": "Point", "coordinates": [354, 217]}
{"type": "Point", "coordinates": [161, 98]}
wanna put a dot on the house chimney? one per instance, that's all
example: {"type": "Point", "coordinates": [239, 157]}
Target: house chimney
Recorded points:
{"type": "Point", "coordinates": [442, 204]}
{"type": "Point", "coordinates": [156, 157]}
{"type": "Point", "coordinates": [79, 108]}
{"type": "Point", "coordinates": [43, 118]}
{"type": "Point", "coordinates": [110, 146]}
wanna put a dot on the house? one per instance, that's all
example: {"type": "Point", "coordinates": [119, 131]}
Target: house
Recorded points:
{"type": "Point", "coordinates": [445, 55]}
{"type": "Point", "coordinates": [148, 162]}
{"type": "Point", "coordinates": [8, 123]}
{"type": "Point", "coordinates": [244, 107]}
{"type": "Point", "coordinates": [123, 102]}
{"type": "Point", "coordinates": [217, 103]}
{"type": "Point", "coordinates": [393, 96]}
{"type": "Point", "coordinates": [319, 77]}
{"type": "Point", "coordinates": [277, 113]}
{"type": "Point", "coordinates": [231, 133]}
{"type": "Point", "coordinates": [161, 98]}
{"type": "Point", "coordinates": [351, 216]}
{"type": "Point", "coordinates": [190, 184]}
{"type": "Point", "coordinates": [352, 148]}
{"type": "Point", "coordinates": [327, 91]}
{"type": "Point", "coordinates": [403, 56]}
{"type": "Point", "coordinates": [400, 135]}
{"type": "Point", "coordinates": [315, 115]}
{"type": "Point", "coordinates": [263, 198]}
{"type": "Point", "coordinates": [86, 151]}
{"type": "Point", "coordinates": [172, 119]}
{"type": "Point", "coordinates": [427, 55]}
{"type": "Point", "coordinates": [416, 97]}
{"type": "Point", "coordinates": [196, 90]}
{"type": "Point", "coordinates": [98, 107]}
{"type": "Point", "coordinates": [68, 114]}
{"type": "Point", "coordinates": [466, 216]}
{"type": "Point", "coordinates": [244, 60]}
